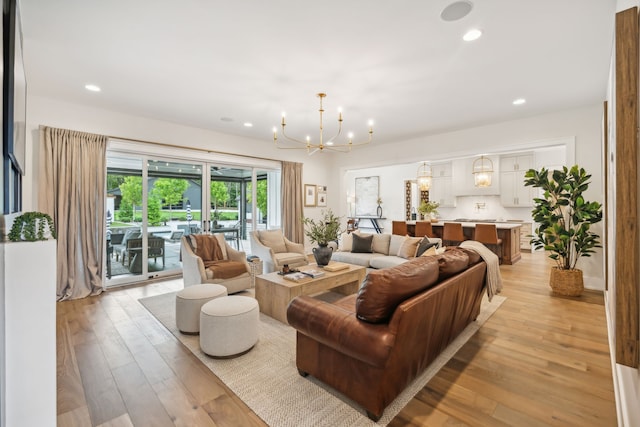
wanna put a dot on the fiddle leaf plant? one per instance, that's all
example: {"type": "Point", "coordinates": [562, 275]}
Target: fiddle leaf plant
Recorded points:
{"type": "Point", "coordinates": [563, 216]}
{"type": "Point", "coordinates": [31, 227]}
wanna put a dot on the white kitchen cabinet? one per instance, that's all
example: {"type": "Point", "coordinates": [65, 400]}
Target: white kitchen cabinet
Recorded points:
{"type": "Point", "coordinates": [463, 181]}
{"type": "Point", "coordinates": [441, 185]}
{"type": "Point", "coordinates": [441, 170]}
{"type": "Point", "coordinates": [513, 192]}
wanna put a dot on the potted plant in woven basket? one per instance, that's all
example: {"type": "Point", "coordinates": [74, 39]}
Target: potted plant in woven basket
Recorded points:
{"type": "Point", "coordinates": [322, 231]}
{"type": "Point", "coordinates": [564, 219]}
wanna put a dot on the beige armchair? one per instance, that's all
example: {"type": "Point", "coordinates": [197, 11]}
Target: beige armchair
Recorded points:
{"type": "Point", "coordinates": [275, 250]}
{"type": "Point", "coordinates": [232, 271]}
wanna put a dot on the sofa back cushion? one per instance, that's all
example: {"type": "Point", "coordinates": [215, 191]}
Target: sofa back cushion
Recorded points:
{"type": "Point", "coordinates": [451, 262]}
{"type": "Point", "coordinates": [474, 257]}
{"type": "Point", "coordinates": [273, 239]}
{"type": "Point", "coordinates": [384, 289]}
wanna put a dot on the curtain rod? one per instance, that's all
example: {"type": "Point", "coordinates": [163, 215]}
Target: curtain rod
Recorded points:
{"type": "Point", "coordinates": [191, 148]}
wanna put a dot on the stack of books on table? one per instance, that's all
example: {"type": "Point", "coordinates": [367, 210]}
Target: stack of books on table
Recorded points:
{"type": "Point", "coordinates": [313, 273]}
{"type": "Point", "coordinates": [336, 266]}
{"type": "Point", "coordinates": [297, 277]}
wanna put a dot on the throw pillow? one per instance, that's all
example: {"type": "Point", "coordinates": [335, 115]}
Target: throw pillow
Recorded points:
{"type": "Point", "coordinates": [362, 244]}
{"type": "Point", "coordinates": [409, 247]}
{"type": "Point", "coordinates": [345, 243]}
{"type": "Point", "coordinates": [430, 252]}
{"type": "Point", "coordinates": [383, 290]}
{"type": "Point", "coordinates": [273, 239]}
{"type": "Point", "coordinates": [395, 243]}
{"type": "Point", "coordinates": [381, 243]}
{"type": "Point", "coordinates": [424, 245]}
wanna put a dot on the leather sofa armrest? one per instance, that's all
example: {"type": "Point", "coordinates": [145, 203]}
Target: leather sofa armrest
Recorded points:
{"type": "Point", "coordinates": [339, 329]}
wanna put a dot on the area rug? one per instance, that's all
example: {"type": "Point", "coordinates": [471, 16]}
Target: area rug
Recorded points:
{"type": "Point", "coordinates": [267, 380]}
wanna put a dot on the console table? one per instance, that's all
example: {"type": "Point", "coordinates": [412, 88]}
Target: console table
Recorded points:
{"type": "Point", "coordinates": [374, 222]}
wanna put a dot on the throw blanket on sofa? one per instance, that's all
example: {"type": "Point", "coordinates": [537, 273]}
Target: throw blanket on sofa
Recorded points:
{"type": "Point", "coordinates": [208, 248]}
{"type": "Point", "coordinates": [494, 279]}
{"type": "Point", "coordinates": [225, 269]}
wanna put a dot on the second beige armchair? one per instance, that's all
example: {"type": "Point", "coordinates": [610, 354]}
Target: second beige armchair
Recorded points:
{"type": "Point", "coordinates": [275, 250]}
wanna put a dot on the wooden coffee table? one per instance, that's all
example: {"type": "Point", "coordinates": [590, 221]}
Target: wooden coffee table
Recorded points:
{"type": "Point", "coordinates": [274, 293]}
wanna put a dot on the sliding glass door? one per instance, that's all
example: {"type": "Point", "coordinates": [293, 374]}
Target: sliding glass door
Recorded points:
{"type": "Point", "coordinates": [153, 201]}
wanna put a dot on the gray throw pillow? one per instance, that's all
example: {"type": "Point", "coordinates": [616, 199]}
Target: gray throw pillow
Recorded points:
{"type": "Point", "coordinates": [424, 245]}
{"type": "Point", "coordinates": [361, 244]}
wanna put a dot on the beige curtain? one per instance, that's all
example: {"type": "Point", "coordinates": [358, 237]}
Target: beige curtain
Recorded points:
{"type": "Point", "coordinates": [72, 185]}
{"type": "Point", "coordinates": [292, 210]}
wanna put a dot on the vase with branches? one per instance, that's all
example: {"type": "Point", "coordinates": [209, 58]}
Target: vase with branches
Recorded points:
{"type": "Point", "coordinates": [322, 231]}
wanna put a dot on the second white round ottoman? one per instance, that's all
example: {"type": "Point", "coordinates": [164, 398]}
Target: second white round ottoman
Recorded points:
{"type": "Point", "coordinates": [229, 326]}
{"type": "Point", "coordinates": [190, 300]}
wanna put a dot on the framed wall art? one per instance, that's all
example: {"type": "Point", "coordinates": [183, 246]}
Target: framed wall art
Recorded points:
{"type": "Point", "coordinates": [367, 195]}
{"type": "Point", "coordinates": [310, 195]}
{"type": "Point", "coordinates": [322, 196]}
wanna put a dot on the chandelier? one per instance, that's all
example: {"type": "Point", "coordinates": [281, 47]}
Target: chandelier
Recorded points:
{"type": "Point", "coordinates": [331, 144]}
{"type": "Point", "coordinates": [424, 177]}
{"type": "Point", "coordinates": [482, 171]}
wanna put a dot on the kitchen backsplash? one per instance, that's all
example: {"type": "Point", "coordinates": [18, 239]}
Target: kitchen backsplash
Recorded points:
{"type": "Point", "coordinates": [484, 207]}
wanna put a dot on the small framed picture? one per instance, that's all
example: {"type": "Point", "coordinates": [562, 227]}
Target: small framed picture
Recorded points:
{"type": "Point", "coordinates": [322, 199]}
{"type": "Point", "coordinates": [310, 195]}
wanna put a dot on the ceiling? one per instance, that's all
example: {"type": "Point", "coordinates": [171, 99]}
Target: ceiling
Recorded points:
{"type": "Point", "coordinates": [218, 64]}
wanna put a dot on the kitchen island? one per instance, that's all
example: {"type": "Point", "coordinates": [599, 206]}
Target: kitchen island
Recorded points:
{"type": "Point", "coordinates": [509, 232]}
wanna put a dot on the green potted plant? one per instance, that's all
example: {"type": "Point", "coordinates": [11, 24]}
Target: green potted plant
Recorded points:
{"type": "Point", "coordinates": [31, 227]}
{"type": "Point", "coordinates": [322, 231]}
{"type": "Point", "coordinates": [429, 210]}
{"type": "Point", "coordinates": [564, 219]}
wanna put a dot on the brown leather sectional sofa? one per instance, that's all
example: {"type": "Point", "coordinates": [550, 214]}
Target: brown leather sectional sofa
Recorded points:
{"type": "Point", "coordinates": [371, 345]}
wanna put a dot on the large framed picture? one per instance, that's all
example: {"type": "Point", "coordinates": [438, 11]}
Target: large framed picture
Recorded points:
{"type": "Point", "coordinates": [367, 195]}
{"type": "Point", "coordinates": [310, 195]}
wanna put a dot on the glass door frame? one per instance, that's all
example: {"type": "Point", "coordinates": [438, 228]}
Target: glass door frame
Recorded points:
{"type": "Point", "coordinates": [149, 151]}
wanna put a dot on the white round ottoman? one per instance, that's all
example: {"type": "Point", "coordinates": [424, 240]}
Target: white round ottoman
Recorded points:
{"type": "Point", "coordinates": [229, 326]}
{"type": "Point", "coordinates": [190, 300]}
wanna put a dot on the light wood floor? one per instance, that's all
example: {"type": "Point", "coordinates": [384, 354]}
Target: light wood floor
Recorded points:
{"type": "Point", "coordinates": [538, 361]}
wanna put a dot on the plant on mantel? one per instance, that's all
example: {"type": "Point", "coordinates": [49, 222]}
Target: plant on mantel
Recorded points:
{"type": "Point", "coordinates": [31, 227]}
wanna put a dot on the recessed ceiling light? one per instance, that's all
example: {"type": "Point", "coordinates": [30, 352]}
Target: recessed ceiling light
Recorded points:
{"type": "Point", "coordinates": [248, 125]}
{"type": "Point", "coordinates": [226, 119]}
{"type": "Point", "coordinates": [456, 10]}
{"type": "Point", "coordinates": [519, 101]}
{"type": "Point", "coordinates": [472, 35]}
{"type": "Point", "coordinates": [92, 88]}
